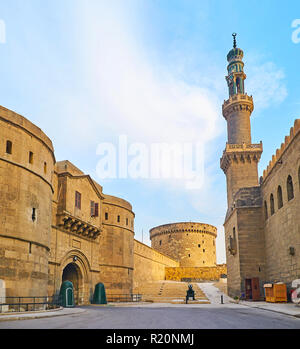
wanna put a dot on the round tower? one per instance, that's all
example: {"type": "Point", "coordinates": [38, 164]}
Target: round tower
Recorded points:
{"type": "Point", "coordinates": [26, 170]}
{"type": "Point", "coordinates": [116, 245]}
{"type": "Point", "coordinates": [192, 244]}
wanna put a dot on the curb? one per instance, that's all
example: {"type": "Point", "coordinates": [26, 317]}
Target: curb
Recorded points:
{"type": "Point", "coordinates": [273, 310]}
{"type": "Point", "coordinates": [38, 315]}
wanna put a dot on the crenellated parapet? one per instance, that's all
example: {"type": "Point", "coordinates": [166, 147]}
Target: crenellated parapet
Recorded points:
{"type": "Point", "coordinates": [186, 227]}
{"type": "Point", "coordinates": [279, 152]}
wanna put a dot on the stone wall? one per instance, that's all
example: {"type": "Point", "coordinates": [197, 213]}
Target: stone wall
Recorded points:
{"type": "Point", "coordinates": [117, 245]}
{"type": "Point", "coordinates": [192, 244]}
{"type": "Point", "coordinates": [149, 265]}
{"type": "Point", "coordinates": [282, 223]}
{"type": "Point", "coordinates": [25, 208]}
{"type": "Point", "coordinates": [195, 274]}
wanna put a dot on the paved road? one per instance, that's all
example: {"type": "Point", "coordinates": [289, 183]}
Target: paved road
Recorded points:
{"type": "Point", "coordinates": [163, 317]}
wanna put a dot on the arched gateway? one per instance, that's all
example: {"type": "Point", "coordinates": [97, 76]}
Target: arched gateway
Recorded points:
{"type": "Point", "coordinates": [74, 269]}
{"type": "Point", "coordinates": [72, 273]}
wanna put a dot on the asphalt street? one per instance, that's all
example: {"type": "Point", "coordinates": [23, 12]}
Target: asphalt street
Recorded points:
{"type": "Point", "coordinates": [163, 317]}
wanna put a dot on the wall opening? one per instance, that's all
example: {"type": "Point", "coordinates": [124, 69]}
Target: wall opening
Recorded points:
{"type": "Point", "coordinates": [72, 273]}
{"type": "Point", "coordinates": [8, 147]}
{"type": "Point", "coordinates": [290, 189]}
{"type": "Point", "coordinates": [279, 197]}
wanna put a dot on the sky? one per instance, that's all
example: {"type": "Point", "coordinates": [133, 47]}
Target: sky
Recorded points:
{"type": "Point", "coordinates": [88, 72]}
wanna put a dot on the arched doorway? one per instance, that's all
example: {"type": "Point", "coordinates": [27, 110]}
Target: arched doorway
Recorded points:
{"type": "Point", "coordinates": [72, 273]}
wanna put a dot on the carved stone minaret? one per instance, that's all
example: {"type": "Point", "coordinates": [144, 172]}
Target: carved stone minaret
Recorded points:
{"type": "Point", "coordinates": [240, 158]}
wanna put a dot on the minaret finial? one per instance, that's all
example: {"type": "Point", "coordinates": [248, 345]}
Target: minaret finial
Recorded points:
{"type": "Point", "coordinates": [234, 39]}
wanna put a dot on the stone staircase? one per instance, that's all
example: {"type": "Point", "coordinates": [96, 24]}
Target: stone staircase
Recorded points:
{"type": "Point", "coordinates": [169, 292]}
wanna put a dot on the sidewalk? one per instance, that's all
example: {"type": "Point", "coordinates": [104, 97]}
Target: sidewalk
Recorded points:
{"type": "Point", "coordinates": [40, 314]}
{"type": "Point", "coordinates": [214, 295]}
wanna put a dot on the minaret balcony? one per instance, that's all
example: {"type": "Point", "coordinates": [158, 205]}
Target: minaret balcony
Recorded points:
{"type": "Point", "coordinates": [240, 153]}
{"type": "Point", "coordinates": [237, 102]}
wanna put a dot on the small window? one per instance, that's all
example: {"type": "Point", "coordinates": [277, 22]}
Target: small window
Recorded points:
{"type": "Point", "coordinates": [94, 209]}
{"type": "Point", "coordinates": [119, 219]}
{"type": "Point", "coordinates": [272, 204]}
{"type": "Point", "coordinates": [8, 147]}
{"type": "Point", "coordinates": [266, 210]}
{"type": "Point", "coordinates": [279, 197]}
{"type": "Point", "coordinates": [106, 216]}
{"type": "Point", "coordinates": [126, 221]}
{"type": "Point", "coordinates": [77, 200]}
{"type": "Point", "coordinates": [33, 216]}
{"type": "Point", "coordinates": [290, 188]}
{"type": "Point", "coordinates": [30, 157]}
{"type": "Point", "coordinates": [204, 250]}
{"type": "Point", "coordinates": [189, 255]}
{"type": "Point", "coordinates": [160, 242]}
{"type": "Point", "coordinates": [199, 245]}
{"type": "Point", "coordinates": [45, 167]}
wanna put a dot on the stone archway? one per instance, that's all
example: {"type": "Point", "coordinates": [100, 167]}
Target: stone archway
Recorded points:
{"type": "Point", "coordinates": [75, 268]}
{"type": "Point", "coordinates": [72, 273]}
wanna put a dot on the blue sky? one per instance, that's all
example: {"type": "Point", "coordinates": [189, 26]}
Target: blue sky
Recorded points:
{"type": "Point", "coordinates": [87, 72]}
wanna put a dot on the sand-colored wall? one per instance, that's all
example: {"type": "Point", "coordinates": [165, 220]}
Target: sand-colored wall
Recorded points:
{"type": "Point", "coordinates": [149, 264]}
{"type": "Point", "coordinates": [204, 273]}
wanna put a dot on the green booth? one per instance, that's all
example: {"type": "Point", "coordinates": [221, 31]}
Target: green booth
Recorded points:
{"type": "Point", "coordinates": [67, 294]}
{"type": "Point", "coordinates": [99, 294]}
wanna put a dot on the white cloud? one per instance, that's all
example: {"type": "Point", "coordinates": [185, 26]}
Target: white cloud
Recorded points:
{"type": "Point", "coordinates": [267, 85]}
{"type": "Point", "coordinates": [138, 96]}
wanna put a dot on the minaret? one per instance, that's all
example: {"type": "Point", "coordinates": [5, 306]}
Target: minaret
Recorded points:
{"type": "Point", "coordinates": [240, 158]}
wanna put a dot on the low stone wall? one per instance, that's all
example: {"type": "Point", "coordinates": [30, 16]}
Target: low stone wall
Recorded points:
{"type": "Point", "coordinates": [149, 264]}
{"type": "Point", "coordinates": [195, 274]}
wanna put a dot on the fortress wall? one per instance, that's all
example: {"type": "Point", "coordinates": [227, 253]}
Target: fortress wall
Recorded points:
{"type": "Point", "coordinates": [195, 274]}
{"type": "Point", "coordinates": [25, 209]}
{"type": "Point", "coordinates": [192, 244]}
{"type": "Point", "coordinates": [116, 246]}
{"type": "Point", "coordinates": [282, 227]}
{"type": "Point", "coordinates": [149, 265]}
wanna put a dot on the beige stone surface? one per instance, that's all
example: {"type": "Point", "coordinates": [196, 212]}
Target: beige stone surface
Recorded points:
{"type": "Point", "coordinates": [191, 244]}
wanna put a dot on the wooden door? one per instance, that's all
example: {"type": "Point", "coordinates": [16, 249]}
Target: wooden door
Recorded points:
{"type": "Point", "coordinates": [255, 289]}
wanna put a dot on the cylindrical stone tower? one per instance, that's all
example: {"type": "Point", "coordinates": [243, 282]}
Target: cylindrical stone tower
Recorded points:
{"type": "Point", "coordinates": [192, 244]}
{"type": "Point", "coordinates": [26, 170]}
{"type": "Point", "coordinates": [116, 246]}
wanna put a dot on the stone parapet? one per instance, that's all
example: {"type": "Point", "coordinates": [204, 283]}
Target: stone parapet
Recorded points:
{"type": "Point", "coordinates": [240, 153]}
{"type": "Point", "coordinates": [238, 102]}
{"type": "Point", "coordinates": [294, 131]}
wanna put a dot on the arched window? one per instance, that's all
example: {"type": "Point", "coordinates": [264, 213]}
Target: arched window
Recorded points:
{"type": "Point", "coordinates": [279, 197]}
{"type": "Point", "coordinates": [290, 189]}
{"type": "Point", "coordinates": [272, 204]}
{"type": "Point", "coordinates": [266, 210]}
